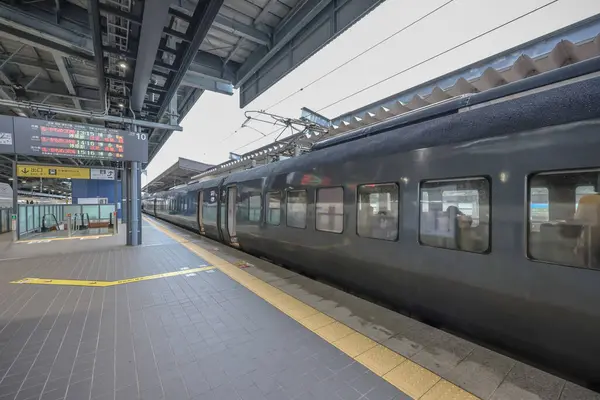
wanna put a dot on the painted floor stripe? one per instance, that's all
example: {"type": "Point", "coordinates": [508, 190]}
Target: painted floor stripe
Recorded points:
{"type": "Point", "coordinates": [54, 239]}
{"type": "Point", "coordinates": [77, 282]}
{"type": "Point", "coordinates": [406, 375]}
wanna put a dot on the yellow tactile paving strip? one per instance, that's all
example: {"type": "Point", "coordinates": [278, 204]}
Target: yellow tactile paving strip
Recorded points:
{"type": "Point", "coordinates": [79, 282]}
{"type": "Point", "coordinates": [406, 375]}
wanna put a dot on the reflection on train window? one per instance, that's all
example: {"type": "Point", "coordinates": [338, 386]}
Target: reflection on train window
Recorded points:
{"type": "Point", "coordinates": [377, 214]}
{"type": "Point", "coordinates": [209, 206]}
{"type": "Point", "coordinates": [455, 214]}
{"type": "Point", "coordinates": [296, 209]}
{"type": "Point", "coordinates": [564, 218]}
{"type": "Point", "coordinates": [330, 210]}
{"type": "Point", "coordinates": [273, 208]}
{"type": "Point", "coordinates": [254, 208]}
{"type": "Point", "coordinates": [241, 209]}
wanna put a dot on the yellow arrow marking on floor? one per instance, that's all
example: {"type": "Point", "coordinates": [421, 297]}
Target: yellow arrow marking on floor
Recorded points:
{"type": "Point", "coordinates": [77, 282]}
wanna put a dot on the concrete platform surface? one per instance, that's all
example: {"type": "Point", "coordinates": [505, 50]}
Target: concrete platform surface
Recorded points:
{"type": "Point", "coordinates": [87, 329]}
{"type": "Point", "coordinates": [480, 372]}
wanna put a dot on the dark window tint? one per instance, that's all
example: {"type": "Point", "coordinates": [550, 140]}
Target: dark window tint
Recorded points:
{"type": "Point", "coordinates": [455, 214]}
{"type": "Point", "coordinates": [377, 215]}
{"type": "Point", "coordinates": [330, 210]}
{"type": "Point", "coordinates": [209, 206]}
{"type": "Point", "coordinates": [296, 209]}
{"type": "Point", "coordinates": [254, 208]}
{"type": "Point", "coordinates": [273, 208]}
{"type": "Point", "coordinates": [564, 218]}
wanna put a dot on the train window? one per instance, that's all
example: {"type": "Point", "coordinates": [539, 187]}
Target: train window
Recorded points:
{"type": "Point", "coordinates": [455, 214]}
{"type": "Point", "coordinates": [296, 209]}
{"type": "Point", "coordinates": [330, 210]}
{"type": "Point", "coordinates": [273, 208]}
{"type": "Point", "coordinates": [564, 218]}
{"type": "Point", "coordinates": [209, 206]}
{"type": "Point", "coordinates": [242, 209]}
{"type": "Point", "coordinates": [254, 208]}
{"type": "Point", "coordinates": [377, 214]}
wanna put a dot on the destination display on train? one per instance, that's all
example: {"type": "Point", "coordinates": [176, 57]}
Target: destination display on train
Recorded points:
{"type": "Point", "coordinates": [66, 139]}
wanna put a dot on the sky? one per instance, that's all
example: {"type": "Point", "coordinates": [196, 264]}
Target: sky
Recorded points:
{"type": "Point", "coordinates": [215, 116]}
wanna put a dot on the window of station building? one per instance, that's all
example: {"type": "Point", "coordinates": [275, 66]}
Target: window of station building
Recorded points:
{"type": "Point", "coordinates": [455, 214]}
{"type": "Point", "coordinates": [254, 207]}
{"type": "Point", "coordinates": [330, 210]}
{"type": "Point", "coordinates": [296, 209]}
{"type": "Point", "coordinates": [273, 208]}
{"type": "Point", "coordinates": [564, 218]}
{"type": "Point", "coordinates": [377, 212]}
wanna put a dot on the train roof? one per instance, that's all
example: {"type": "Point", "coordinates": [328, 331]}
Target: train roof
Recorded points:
{"type": "Point", "coordinates": [252, 173]}
{"type": "Point", "coordinates": [562, 96]}
{"type": "Point", "coordinates": [455, 105]}
{"type": "Point", "coordinates": [565, 103]}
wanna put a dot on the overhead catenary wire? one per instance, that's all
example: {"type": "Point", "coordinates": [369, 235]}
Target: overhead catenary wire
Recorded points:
{"type": "Point", "coordinates": [404, 28]}
{"type": "Point", "coordinates": [438, 55]}
{"type": "Point", "coordinates": [262, 137]}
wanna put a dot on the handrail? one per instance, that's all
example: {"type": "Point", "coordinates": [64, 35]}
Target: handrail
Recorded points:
{"type": "Point", "coordinates": [44, 228]}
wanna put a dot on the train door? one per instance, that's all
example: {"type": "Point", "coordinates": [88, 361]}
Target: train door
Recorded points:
{"type": "Point", "coordinates": [231, 213]}
{"type": "Point", "coordinates": [223, 215]}
{"type": "Point", "coordinates": [199, 211]}
{"type": "Point", "coordinates": [154, 207]}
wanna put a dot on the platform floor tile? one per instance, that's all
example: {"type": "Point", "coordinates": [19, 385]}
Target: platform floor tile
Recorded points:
{"type": "Point", "coordinates": [192, 336]}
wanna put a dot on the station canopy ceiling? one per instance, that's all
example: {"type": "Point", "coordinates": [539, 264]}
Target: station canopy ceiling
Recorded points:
{"type": "Point", "coordinates": [152, 57]}
{"type": "Point", "coordinates": [103, 61]}
{"type": "Point", "coordinates": [177, 174]}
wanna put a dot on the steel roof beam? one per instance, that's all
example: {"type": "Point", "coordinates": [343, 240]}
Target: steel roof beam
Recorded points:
{"type": "Point", "coordinates": [4, 78]}
{"type": "Point", "coordinates": [210, 65]}
{"type": "Point", "coordinates": [106, 9]}
{"type": "Point", "coordinates": [247, 32]}
{"type": "Point", "coordinates": [58, 89]}
{"type": "Point", "coordinates": [66, 76]}
{"type": "Point", "coordinates": [42, 41]}
{"type": "Point", "coordinates": [232, 26]}
{"type": "Point", "coordinates": [289, 28]}
{"type": "Point", "coordinates": [62, 34]}
{"type": "Point", "coordinates": [266, 9]}
{"type": "Point", "coordinates": [88, 114]}
{"type": "Point", "coordinates": [94, 16]}
{"type": "Point", "coordinates": [204, 63]}
{"type": "Point", "coordinates": [45, 65]}
{"type": "Point", "coordinates": [198, 27]}
{"type": "Point", "coordinates": [156, 13]}
{"type": "Point", "coordinates": [204, 83]}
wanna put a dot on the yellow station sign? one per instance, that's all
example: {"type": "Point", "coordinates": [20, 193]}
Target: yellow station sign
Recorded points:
{"type": "Point", "coordinates": [55, 171]}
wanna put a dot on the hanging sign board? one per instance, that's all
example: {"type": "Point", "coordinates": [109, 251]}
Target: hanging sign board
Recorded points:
{"type": "Point", "coordinates": [7, 143]}
{"type": "Point", "coordinates": [102, 174]}
{"type": "Point", "coordinates": [36, 137]}
{"type": "Point", "coordinates": [54, 171]}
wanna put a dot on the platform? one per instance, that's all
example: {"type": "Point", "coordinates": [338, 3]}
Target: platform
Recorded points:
{"type": "Point", "coordinates": [182, 317]}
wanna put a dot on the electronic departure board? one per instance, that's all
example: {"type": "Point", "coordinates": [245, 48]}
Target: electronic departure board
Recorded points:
{"type": "Point", "coordinates": [36, 137]}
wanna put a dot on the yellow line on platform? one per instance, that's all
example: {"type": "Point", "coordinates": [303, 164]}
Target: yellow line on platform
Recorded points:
{"type": "Point", "coordinates": [406, 375]}
{"type": "Point", "coordinates": [77, 282]}
{"type": "Point", "coordinates": [54, 239]}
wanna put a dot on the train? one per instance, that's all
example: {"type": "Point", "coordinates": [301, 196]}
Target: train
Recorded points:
{"type": "Point", "coordinates": [480, 216]}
